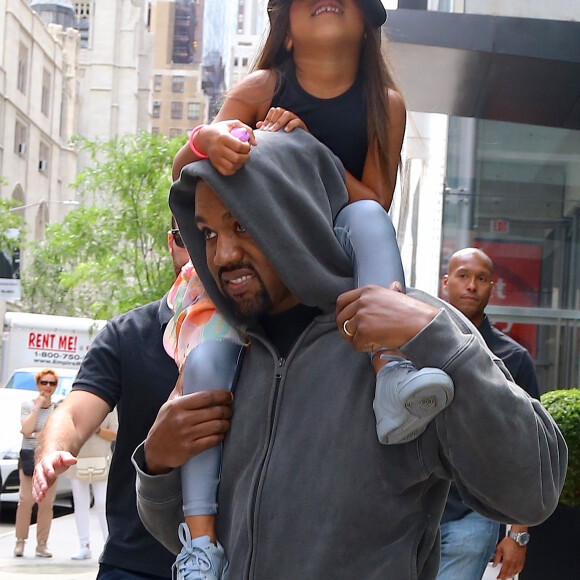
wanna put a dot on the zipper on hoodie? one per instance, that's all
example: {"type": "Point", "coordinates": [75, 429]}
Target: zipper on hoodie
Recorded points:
{"type": "Point", "coordinates": [281, 364]}
{"type": "Point", "coordinates": [279, 372]}
{"type": "Point", "coordinates": [277, 381]}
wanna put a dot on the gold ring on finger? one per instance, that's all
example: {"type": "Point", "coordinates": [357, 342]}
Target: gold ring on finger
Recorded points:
{"type": "Point", "coordinates": [345, 329]}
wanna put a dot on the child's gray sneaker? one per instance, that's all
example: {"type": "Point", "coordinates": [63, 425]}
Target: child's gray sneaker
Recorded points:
{"type": "Point", "coordinates": [407, 399]}
{"type": "Point", "coordinates": [199, 559]}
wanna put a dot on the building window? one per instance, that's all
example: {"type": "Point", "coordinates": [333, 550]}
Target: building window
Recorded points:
{"type": "Point", "coordinates": [45, 96]}
{"type": "Point", "coordinates": [244, 61]}
{"type": "Point", "coordinates": [176, 110]}
{"type": "Point", "coordinates": [22, 68]}
{"type": "Point", "coordinates": [193, 110]}
{"type": "Point", "coordinates": [155, 130]}
{"type": "Point", "coordinates": [175, 132]}
{"type": "Point", "coordinates": [83, 13]}
{"type": "Point", "coordinates": [157, 83]}
{"type": "Point", "coordinates": [177, 84]}
{"type": "Point", "coordinates": [43, 158]}
{"type": "Point", "coordinates": [156, 109]}
{"type": "Point", "coordinates": [20, 138]}
{"type": "Point", "coordinates": [82, 10]}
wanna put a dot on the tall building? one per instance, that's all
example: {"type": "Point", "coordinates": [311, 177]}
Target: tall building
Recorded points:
{"type": "Point", "coordinates": [178, 102]}
{"type": "Point", "coordinates": [251, 32]}
{"type": "Point", "coordinates": [38, 113]}
{"type": "Point", "coordinates": [252, 17]}
{"type": "Point", "coordinates": [492, 159]}
{"type": "Point", "coordinates": [115, 68]}
{"type": "Point", "coordinates": [38, 109]}
{"type": "Point", "coordinates": [192, 52]}
{"type": "Point", "coordinates": [219, 30]}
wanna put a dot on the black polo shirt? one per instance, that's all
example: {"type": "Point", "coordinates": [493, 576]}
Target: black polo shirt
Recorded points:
{"type": "Point", "coordinates": [127, 367]}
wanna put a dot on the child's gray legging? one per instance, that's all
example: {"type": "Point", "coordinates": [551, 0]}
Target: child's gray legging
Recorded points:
{"type": "Point", "coordinates": [367, 235]}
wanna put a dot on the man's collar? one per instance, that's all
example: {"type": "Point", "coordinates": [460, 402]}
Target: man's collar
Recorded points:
{"type": "Point", "coordinates": [165, 313]}
{"type": "Point", "coordinates": [485, 326]}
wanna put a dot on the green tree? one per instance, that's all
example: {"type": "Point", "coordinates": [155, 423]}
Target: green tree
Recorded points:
{"type": "Point", "coordinates": [112, 256]}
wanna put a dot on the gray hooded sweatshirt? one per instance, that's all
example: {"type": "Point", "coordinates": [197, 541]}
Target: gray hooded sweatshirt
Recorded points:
{"type": "Point", "coordinates": [307, 491]}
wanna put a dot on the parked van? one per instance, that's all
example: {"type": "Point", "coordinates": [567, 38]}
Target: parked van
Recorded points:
{"type": "Point", "coordinates": [31, 342]}
{"type": "Point", "coordinates": [42, 340]}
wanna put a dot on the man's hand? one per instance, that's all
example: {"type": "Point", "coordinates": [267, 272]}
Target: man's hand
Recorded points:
{"type": "Point", "coordinates": [186, 426]}
{"type": "Point", "coordinates": [372, 317]}
{"type": "Point", "coordinates": [47, 471]}
{"type": "Point", "coordinates": [512, 557]}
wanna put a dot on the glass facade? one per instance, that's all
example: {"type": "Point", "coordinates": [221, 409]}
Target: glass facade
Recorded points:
{"type": "Point", "coordinates": [184, 32]}
{"type": "Point", "coordinates": [514, 191]}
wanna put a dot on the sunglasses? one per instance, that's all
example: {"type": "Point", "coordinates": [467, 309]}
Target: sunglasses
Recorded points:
{"type": "Point", "coordinates": [51, 383]}
{"type": "Point", "coordinates": [177, 237]}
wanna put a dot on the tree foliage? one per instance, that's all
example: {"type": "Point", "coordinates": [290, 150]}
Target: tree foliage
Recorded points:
{"type": "Point", "coordinates": [110, 256]}
{"type": "Point", "coordinates": [564, 406]}
{"type": "Point", "coordinates": [11, 226]}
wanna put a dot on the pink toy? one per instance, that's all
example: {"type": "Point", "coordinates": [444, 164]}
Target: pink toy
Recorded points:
{"type": "Point", "coordinates": [241, 134]}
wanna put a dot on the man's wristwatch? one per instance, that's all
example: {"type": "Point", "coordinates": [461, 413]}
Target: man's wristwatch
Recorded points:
{"type": "Point", "coordinates": [521, 538]}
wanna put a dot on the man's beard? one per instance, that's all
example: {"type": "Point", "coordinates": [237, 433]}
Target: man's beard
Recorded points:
{"type": "Point", "coordinates": [176, 266]}
{"type": "Point", "coordinates": [251, 310]}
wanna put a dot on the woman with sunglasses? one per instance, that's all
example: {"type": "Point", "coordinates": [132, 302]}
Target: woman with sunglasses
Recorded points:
{"type": "Point", "coordinates": [34, 415]}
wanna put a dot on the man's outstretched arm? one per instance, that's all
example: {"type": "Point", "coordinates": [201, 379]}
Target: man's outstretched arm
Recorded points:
{"type": "Point", "coordinates": [65, 432]}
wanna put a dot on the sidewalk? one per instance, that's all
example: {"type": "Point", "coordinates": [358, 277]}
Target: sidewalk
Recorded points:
{"type": "Point", "coordinates": [62, 542]}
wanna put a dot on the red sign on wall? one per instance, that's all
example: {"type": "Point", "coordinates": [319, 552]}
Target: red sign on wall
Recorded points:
{"type": "Point", "coordinates": [516, 274]}
{"type": "Point", "coordinates": [502, 226]}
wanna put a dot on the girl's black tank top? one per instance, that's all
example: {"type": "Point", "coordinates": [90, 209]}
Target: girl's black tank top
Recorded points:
{"type": "Point", "coordinates": [340, 122]}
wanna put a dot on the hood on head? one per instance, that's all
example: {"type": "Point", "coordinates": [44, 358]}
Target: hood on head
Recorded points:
{"type": "Point", "coordinates": [286, 196]}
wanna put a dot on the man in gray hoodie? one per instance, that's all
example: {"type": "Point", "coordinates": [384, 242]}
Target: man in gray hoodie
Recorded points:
{"type": "Point", "coordinates": [307, 491]}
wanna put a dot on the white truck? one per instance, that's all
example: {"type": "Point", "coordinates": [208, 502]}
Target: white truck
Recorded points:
{"type": "Point", "coordinates": [42, 340]}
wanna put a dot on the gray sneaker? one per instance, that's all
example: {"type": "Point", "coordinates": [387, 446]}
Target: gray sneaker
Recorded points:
{"type": "Point", "coordinates": [199, 559]}
{"type": "Point", "coordinates": [407, 399]}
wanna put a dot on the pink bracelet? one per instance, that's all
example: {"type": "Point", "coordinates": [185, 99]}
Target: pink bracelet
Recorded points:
{"type": "Point", "coordinates": [192, 146]}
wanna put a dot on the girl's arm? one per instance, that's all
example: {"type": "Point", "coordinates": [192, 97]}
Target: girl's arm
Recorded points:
{"type": "Point", "coordinates": [373, 185]}
{"type": "Point", "coordinates": [246, 104]}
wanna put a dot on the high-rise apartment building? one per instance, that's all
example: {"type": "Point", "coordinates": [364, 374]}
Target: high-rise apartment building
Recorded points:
{"type": "Point", "coordinates": [178, 102]}
{"type": "Point", "coordinates": [193, 40]}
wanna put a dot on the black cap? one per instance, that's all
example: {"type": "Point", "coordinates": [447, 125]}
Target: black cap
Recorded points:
{"type": "Point", "coordinates": [373, 8]}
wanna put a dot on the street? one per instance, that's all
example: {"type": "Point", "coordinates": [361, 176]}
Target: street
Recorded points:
{"type": "Point", "coordinates": [62, 542]}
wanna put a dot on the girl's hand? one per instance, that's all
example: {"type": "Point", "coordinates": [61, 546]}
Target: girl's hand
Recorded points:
{"type": "Point", "coordinates": [226, 152]}
{"type": "Point", "coordinates": [278, 117]}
